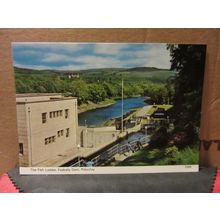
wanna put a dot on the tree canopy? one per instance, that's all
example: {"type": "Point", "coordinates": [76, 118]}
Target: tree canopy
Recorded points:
{"type": "Point", "coordinates": [189, 63]}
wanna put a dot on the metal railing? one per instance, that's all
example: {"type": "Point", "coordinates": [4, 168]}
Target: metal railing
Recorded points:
{"type": "Point", "coordinates": [116, 149]}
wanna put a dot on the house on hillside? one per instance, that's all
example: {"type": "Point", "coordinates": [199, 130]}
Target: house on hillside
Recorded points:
{"type": "Point", "coordinates": [73, 75]}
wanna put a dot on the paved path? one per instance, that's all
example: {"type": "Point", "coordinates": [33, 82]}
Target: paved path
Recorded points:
{"type": "Point", "coordinates": [143, 111]}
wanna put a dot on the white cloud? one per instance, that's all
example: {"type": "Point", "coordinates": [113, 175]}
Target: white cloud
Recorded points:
{"type": "Point", "coordinates": [109, 49]}
{"type": "Point", "coordinates": [55, 57]}
{"type": "Point", "coordinates": [156, 56]}
{"type": "Point", "coordinates": [117, 55]}
{"type": "Point", "coordinates": [97, 62]}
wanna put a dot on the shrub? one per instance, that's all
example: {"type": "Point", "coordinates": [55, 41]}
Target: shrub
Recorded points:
{"type": "Point", "coordinates": [171, 152]}
{"type": "Point", "coordinates": [159, 138]}
{"type": "Point", "coordinates": [153, 154]}
{"type": "Point", "coordinates": [189, 155]}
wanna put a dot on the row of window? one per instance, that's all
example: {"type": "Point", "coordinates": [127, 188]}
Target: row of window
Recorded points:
{"type": "Point", "coordinates": [54, 114]}
{"type": "Point", "coordinates": [60, 133]}
{"type": "Point", "coordinates": [49, 140]}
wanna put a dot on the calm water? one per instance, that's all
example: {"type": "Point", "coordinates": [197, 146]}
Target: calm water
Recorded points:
{"type": "Point", "coordinates": [99, 116]}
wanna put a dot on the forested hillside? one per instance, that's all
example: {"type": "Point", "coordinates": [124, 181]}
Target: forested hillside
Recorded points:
{"type": "Point", "coordinates": [96, 85]}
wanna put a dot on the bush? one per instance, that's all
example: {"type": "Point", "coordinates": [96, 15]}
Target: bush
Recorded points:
{"type": "Point", "coordinates": [159, 138]}
{"type": "Point", "coordinates": [171, 152]}
{"type": "Point", "coordinates": [155, 153]}
{"type": "Point", "coordinates": [190, 155]}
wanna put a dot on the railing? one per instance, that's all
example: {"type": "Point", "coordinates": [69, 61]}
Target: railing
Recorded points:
{"type": "Point", "coordinates": [116, 149]}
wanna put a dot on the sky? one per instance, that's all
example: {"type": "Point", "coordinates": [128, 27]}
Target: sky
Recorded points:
{"type": "Point", "coordinates": [77, 56]}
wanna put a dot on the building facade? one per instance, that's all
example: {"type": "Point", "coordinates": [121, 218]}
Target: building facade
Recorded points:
{"type": "Point", "coordinates": [47, 127]}
{"type": "Point", "coordinates": [98, 137]}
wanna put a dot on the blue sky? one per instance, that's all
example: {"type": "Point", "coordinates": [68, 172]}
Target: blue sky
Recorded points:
{"type": "Point", "coordinates": [76, 56]}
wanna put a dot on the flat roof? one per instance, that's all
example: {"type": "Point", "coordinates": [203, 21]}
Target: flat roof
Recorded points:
{"type": "Point", "coordinates": [36, 94]}
{"type": "Point", "coordinates": [52, 97]}
{"type": "Point", "coordinates": [49, 100]}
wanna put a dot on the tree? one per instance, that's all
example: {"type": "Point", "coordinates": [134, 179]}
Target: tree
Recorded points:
{"type": "Point", "coordinates": [97, 93]}
{"type": "Point", "coordinates": [189, 63]}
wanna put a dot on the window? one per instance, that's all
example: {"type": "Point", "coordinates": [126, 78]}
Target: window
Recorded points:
{"type": "Point", "coordinates": [55, 114]}
{"type": "Point", "coordinates": [21, 148]}
{"type": "Point", "coordinates": [53, 139]}
{"type": "Point", "coordinates": [66, 113]}
{"type": "Point", "coordinates": [67, 132]}
{"type": "Point", "coordinates": [60, 133]}
{"type": "Point", "coordinates": [44, 117]}
{"type": "Point", "coordinates": [50, 140]}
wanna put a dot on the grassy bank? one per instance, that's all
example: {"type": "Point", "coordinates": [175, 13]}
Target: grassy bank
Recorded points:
{"type": "Point", "coordinates": [91, 105]}
{"type": "Point", "coordinates": [166, 156]}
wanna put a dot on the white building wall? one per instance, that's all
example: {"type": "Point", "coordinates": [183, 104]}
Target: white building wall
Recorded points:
{"type": "Point", "coordinates": [22, 134]}
{"type": "Point", "coordinates": [38, 131]}
{"type": "Point", "coordinates": [97, 137]}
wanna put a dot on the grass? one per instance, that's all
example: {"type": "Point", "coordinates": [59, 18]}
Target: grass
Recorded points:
{"type": "Point", "coordinates": [92, 105]}
{"type": "Point", "coordinates": [155, 107]}
{"type": "Point", "coordinates": [148, 156]}
{"type": "Point", "coordinates": [137, 159]}
{"type": "Point", "coordinates": [188, 156]}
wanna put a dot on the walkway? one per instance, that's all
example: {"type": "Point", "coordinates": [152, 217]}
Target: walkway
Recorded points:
{"type": "Point", "coordinates": [143, 111]}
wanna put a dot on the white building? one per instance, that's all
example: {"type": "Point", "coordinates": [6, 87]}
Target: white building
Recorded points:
{"type": "Point", "coordinates": [47, 128]}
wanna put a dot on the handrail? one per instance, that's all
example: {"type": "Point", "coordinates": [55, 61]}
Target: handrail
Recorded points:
{"type": "Point", "coordinates": [116, 149]}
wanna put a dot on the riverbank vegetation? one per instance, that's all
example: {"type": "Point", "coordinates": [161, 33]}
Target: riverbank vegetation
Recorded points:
{"type": "Point", "coordinates": [91, 105]}
{"type": "Point", "coordinates": [95, 86]}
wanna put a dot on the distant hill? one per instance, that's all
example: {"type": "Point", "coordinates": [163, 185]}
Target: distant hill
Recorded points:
{"type": "Point", "coordinates": [138, 73]}
{"type": "Point", "coordinates": [24, 71]}
{"type": "Point", "coordinates": [144, 69]}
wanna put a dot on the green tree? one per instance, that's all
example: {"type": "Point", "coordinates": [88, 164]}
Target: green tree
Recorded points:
{"type": "Point", "coordinates": [189, 63]}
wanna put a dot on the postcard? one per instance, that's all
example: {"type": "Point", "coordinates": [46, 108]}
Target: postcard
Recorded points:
{"type": "Point", "coordinates": [97, 108]}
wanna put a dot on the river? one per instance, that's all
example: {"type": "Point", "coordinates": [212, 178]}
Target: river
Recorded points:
{"type": "Point", "coordinates": [98, 116]}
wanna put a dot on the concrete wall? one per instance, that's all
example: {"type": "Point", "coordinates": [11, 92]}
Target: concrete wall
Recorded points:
{"type": "Point", "coordinates": [38, 131]}
{"type": "Point", "coordinates": [22, 134]}
{"type": "Point", "coordinates": [97, 137]}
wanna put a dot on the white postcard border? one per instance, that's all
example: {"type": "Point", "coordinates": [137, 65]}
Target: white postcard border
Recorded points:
{"type": "Point", "coordinates": [107, 170]}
